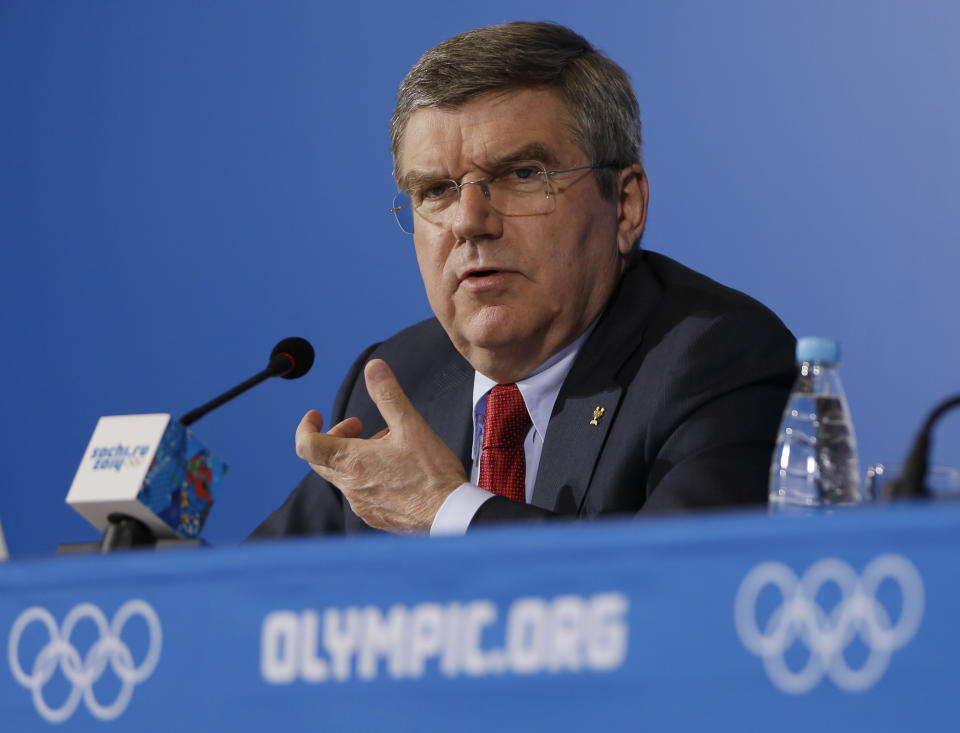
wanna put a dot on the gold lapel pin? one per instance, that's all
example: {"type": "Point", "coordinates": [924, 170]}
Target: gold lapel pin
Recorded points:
{"type": "Point", "coordinates": [597, 414]}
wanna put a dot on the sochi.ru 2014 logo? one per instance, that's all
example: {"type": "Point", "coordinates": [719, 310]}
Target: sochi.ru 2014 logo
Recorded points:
{"type": "Point", "coordinates": [82, 673]}
{"type": "Point", "coordinates": [116, 457]}
{"type": "Point", "coordinates": [849, 639]}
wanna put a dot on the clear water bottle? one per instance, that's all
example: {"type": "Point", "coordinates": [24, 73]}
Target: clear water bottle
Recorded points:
{"type": "Point", "coordinates": [815, 461]}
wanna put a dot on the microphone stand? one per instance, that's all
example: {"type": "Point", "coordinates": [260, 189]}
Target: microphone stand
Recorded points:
{"type": "Point", "coordinates": [125, 532]}
{"type": "Point", "coordinates": [290, 359]}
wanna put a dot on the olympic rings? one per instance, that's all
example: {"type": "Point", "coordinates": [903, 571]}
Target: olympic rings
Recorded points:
{"type": "Point", "coordinates": [83, 674]}
{"type": "Point", "coordinates": [800, 619]}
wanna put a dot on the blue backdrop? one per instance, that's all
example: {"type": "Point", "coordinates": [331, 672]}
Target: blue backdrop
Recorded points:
{"type": "Point", "coordinates": [183, 184]}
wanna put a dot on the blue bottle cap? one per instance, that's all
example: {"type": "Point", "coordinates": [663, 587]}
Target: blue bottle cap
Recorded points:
{"type": "Point", "coordinates": [815, 348]}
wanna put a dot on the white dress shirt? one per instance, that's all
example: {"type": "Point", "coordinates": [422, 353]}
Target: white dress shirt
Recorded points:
{"type": "Point", "coordinates": [539, 391]}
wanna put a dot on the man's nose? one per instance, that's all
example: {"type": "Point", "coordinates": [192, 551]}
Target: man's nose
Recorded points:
{"type": "Point", "coordinates": [474, 217]}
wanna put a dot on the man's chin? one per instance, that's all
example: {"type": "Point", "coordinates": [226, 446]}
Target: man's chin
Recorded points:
{"type": "Point", "coordinates": [503, 350]}
{"type": "Point", "coordinates": [498, 327]}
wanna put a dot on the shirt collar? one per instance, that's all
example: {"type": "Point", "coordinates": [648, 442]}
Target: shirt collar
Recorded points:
{"type": "Point", "coordinates": [539, 390]}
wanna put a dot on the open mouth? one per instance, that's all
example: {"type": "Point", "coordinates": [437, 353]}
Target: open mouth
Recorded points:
{"type": "Point", "coordinates": [484, 279]}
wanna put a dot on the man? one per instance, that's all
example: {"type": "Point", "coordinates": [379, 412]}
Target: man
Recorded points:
{"type": "Point", "coordinates": [567, 373]}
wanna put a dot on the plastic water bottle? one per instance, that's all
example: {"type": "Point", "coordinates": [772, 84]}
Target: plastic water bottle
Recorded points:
{"type": "Point", "coordinates": [815, 461]}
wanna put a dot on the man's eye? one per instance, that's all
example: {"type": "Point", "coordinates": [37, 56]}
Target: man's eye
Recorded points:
{"type": "Point", "coordinates": [436, 191]}
{"type": "Point", "coordinates": [520, 175]}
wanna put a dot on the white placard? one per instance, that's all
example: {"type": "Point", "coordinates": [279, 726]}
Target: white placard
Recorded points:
{"type": "Point", "coordinates": [113, 468]}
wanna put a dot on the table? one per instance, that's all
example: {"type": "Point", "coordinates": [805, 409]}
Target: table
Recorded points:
{"type": "Point", "coordinates": [725, 621]}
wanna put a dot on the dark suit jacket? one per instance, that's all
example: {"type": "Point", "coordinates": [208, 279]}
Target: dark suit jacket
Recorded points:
{"type": "Point", "coordinates": [693, 377]}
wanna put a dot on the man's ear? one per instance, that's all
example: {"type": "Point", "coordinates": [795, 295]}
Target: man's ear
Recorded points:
{"type": "Point", "coordinates": [633, 195]}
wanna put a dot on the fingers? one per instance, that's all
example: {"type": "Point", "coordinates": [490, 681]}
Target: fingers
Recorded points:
{"type": "Point", "coordinates": [352, 427]}
{"type": "Point", "coordinates": [312, 444]}
{"type": "Point", "coordinates": [385, 391]}
{"type": "Point", "coordinates": [338, 445]}
{"type": "Point", "coordinates": [312, 422]}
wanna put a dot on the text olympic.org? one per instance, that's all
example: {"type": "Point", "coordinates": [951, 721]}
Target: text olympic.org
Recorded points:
{"type": "Point", "coordinates": [115, 456]}
{"type": "Point", "coordinates": [567, 633]}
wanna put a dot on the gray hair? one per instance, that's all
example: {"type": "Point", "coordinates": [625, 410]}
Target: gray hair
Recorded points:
{"type": "Point", "coordinates": [604, 115]}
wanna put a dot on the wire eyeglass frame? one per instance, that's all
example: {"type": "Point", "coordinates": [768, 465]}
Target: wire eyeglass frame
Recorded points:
{"type": "Point", "coordinates": [403, 203]}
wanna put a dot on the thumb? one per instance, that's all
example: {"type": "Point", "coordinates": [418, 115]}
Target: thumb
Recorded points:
{"type": "Point", "coordinates": [388, 395]}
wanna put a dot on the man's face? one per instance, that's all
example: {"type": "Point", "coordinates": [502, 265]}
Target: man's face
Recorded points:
{"type": "Point", "coordinates": [511, 291]}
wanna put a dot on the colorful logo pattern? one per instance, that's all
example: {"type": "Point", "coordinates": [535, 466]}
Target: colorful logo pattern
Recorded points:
{"type": "Point", "coordinates": [183, 481]}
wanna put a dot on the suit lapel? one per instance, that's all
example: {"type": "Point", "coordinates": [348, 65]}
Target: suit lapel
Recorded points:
{"type": "Point", "coordinates": [452, 397]}
{"type": "Point", "coordinates": [573, 443]}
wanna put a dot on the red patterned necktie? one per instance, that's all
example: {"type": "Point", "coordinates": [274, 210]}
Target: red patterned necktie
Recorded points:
{"type": "Point", "coordinates": [505, 425]}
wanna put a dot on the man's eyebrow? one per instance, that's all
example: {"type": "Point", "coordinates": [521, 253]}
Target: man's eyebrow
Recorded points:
{"type": "Point", "coordinates": [539, 152]}
{"type": "Point", "coordinates": [415, 179]}
{"type": "Point", "coordinates": [532, 151]}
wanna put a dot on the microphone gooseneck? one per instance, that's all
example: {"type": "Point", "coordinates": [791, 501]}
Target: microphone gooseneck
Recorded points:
{"type": "Point", "coordinates": [290, 359]}
{"type": "Point", "coordinates": [912, 482]}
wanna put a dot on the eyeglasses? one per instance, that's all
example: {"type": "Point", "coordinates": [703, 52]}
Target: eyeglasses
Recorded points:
{"type": "Point", "coordinates": [519, 189]}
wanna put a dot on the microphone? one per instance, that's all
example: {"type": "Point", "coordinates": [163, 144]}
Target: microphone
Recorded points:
{"type": "Point", "coordinates": [912, 482]}
{"type": "Point", "coordinates": [145, 478]}
{"type": "Point", "coordinates": [290, 359]}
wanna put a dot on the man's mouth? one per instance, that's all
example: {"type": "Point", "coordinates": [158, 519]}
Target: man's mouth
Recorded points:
{"type": "Point", "coordinates": [484, 279]}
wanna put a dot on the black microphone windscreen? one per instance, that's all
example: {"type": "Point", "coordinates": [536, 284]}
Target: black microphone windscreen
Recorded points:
{"type": "Point", "coordinates": [300, 353]}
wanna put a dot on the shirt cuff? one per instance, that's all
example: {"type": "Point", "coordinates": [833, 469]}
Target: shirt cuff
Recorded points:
{"type": "Point", "coordinates": [457, 510]}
